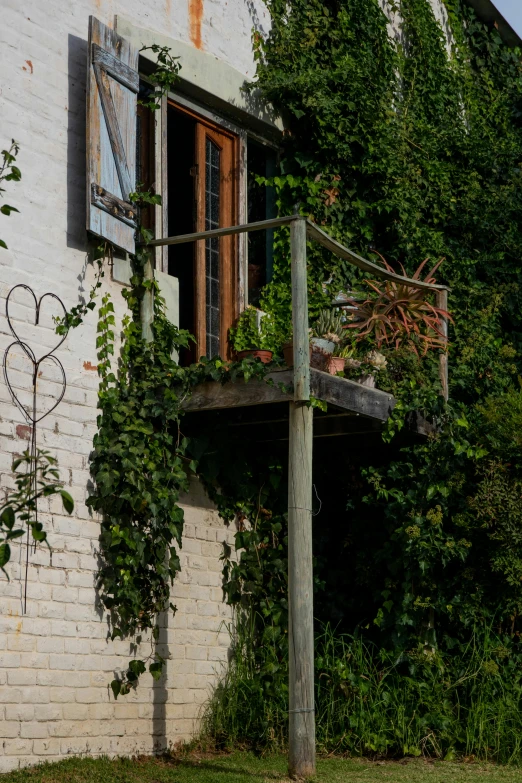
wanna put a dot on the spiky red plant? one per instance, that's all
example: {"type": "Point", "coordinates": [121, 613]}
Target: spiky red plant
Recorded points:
{"type": "Point", "coordinates": [400, 313]}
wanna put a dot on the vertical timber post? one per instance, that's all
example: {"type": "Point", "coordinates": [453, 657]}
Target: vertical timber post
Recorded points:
{"type": "Point", "coordinates": [442, 303]}
{"type": "Point", "coordinates": [301, 755]}
{"type": "Point", "coordinates": [147, 303]}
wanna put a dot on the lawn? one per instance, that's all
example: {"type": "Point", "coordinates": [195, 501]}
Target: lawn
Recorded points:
{"type": "Point", "coordinates": [243, 767]}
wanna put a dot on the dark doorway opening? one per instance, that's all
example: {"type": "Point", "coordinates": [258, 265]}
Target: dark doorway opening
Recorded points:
{"type": "Point", "coordinates": [181, 145]}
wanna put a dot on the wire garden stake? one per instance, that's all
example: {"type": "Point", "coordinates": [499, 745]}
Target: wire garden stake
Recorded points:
{"type": "Point", "coordinates": [29, 412]}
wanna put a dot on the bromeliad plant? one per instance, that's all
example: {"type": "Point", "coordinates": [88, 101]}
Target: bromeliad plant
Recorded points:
{"type": "Point", "coordinates": [399, 314]}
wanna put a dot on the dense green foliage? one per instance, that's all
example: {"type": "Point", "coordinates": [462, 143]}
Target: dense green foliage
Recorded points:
{"type": "Point", "coordinates": [141, 463]}
{"type": "Point", "coordinates": [373, 701]}
{"type": "Point", "coordinates": [138, 467]}
{"type": "Point", "coordinates": [412, 148]}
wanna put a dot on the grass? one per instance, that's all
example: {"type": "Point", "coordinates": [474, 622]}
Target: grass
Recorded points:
{"type": "Point", "coordinates": [242, 767]}
{"type": "Point", "coordinates": [460, 703]}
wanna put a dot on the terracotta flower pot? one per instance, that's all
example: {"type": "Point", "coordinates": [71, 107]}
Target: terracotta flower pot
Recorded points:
{"type": "Point", "coordinates": [265, 356]}
{"type": "Point", "coordinates": [288, 353]}
{"type": "Point", "coordinates": [335, 364]}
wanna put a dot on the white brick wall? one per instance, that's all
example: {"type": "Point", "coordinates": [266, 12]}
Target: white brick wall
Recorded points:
{"type": "Point", "coordinates": [56, 661]}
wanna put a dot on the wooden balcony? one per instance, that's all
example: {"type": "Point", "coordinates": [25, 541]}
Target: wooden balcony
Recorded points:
{"type": "Point", "coordinates": [352, 409]}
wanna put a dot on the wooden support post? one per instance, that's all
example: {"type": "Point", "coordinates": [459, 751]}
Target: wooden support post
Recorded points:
{"type": "Point", "coordinates": [300, 310]}
{"type": "Point", "coordinates": [442, 303]}
{"type": "Point", "coordinates": [301, 756]}
{"type": "Point", "coordinates": [147, 303]}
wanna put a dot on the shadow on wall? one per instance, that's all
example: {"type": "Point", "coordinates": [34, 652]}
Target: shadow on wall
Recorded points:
{"type": "Point", "coordinates": [254, 17]}
{"type": "Point", "coordinates": [159, 691]}
{"type": "Point", "coordinates": [76, 149]}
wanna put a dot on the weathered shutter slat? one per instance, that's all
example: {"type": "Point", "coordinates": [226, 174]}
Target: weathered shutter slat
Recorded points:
{"type": "Point", "coordinates": [113, 128]}
{"type": "Point", "coordinates": [116, 68]}
{"type": "Point", "coordinates": [113, 84]}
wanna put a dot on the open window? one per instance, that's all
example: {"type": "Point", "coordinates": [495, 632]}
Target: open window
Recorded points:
{"type": "Point", "coordinates": [203, 190]}
{"type": "Point", "coordinates": [206, 169]}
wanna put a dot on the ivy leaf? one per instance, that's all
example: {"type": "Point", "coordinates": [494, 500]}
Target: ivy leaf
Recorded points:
{"type": "Point", "coordinates": [6, 209]}
{"type": "Point", "coordinates": [5, 554]}
{"type": "Point", "coordinates": [15, 534]}
{"type": "Point", "coordinates": [68, 502]}
{"type": "Point", "coordinates": [137, 667]}
{"type": "Point", "coordinates": [156, 669]}
{"type": "Point", "coordinates": [116, 688]}
{"type": "Point", "coordinates": [7, 517]}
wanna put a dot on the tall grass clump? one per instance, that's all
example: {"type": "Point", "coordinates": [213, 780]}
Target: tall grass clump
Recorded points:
{"type": "Point", "coordinates": [371, 701]}
{"type": "Point", "coordinates": [249, 704]}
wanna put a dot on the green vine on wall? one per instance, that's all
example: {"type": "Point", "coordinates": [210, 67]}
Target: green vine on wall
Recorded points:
{"type": "Point", "coordinates": [415, 150]}
{"type": "Point", "coordinates": [9, 173]}
{"type": "Point", "coordinates": [385, 147]}
{"type": "Point", "coordinates": [140, 463]}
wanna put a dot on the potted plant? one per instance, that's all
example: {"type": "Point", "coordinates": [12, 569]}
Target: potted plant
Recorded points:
{"type": "Point", "coordinates": [343, 352]}
{"type": "Point", "coordinates": [328, 332]}
{"type": "Point", "coordinates": [253, 335]}
{"type": "Point", "coordinates": [399, 314]}
{"type": "Point", "coordinates": [373, 362]}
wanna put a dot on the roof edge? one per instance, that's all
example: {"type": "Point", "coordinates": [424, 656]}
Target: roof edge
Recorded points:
{"type": "Point", "coordinates": [490, 14]}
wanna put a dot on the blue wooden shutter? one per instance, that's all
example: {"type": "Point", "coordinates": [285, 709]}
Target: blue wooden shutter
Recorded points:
{"type": "Point", "coordinates": [112, 90]}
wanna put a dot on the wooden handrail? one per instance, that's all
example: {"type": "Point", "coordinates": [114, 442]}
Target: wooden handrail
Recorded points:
{"type": "Point", "coordinates": [243, 228]}
{"type": "Point", "coordinates": [314, 232]}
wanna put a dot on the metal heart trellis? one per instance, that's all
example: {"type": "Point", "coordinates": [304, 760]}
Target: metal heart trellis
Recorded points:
{"type": "Point", "coordinates": [30, 413]}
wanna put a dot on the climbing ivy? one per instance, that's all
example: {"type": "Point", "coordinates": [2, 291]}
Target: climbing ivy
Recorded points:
{"type": "Point", "coordinates": [141, 463]}
{"type": "Point", "coordinates": [414, 150]}
{"type": "Point", "coordinates": [9, 173]}
{"type": "Point", "coordinates": [411, 147]}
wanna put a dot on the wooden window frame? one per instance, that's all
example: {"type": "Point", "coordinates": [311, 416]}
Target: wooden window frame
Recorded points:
{"type": "Point", "coordinates": [229, 144]}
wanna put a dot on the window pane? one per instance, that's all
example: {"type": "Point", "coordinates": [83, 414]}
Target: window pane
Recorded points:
{"type": "Point", "coordinates": [212, 167]}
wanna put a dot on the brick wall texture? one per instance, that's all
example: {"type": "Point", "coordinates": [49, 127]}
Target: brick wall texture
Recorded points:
{"type": "Point", "coordinates": [56, 660]}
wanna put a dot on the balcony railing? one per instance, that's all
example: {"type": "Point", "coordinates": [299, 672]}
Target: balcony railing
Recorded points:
{"type": "Point", "coordinates": [302, 229]}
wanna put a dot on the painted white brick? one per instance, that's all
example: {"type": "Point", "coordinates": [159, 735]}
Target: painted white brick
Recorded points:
{"type": "Point", "coordinates": [46, 747]}
{"type": "Point", "coordinates": [21, 676]}
{"type": "Point", "coordinates": [31, 730]}
{"type": "Point", "coordinates": [9, 729]}
{"type": "Point", "coordinates": [19, 712]}
{"type": "Point", "coordinates": [9, 660]}
{"type": "Point", "coordinates": [20, 642]}
{"type": "Point", "coordinates": [56, 661]}
{"type": "Point", "coordinates": [17, 747]}
{"type": "Point", "coordinates": [50, 645]}
{"type": "Point", "coordinates": [75, 712]}
{"type": "Point", "coordinates": [48, 712]}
